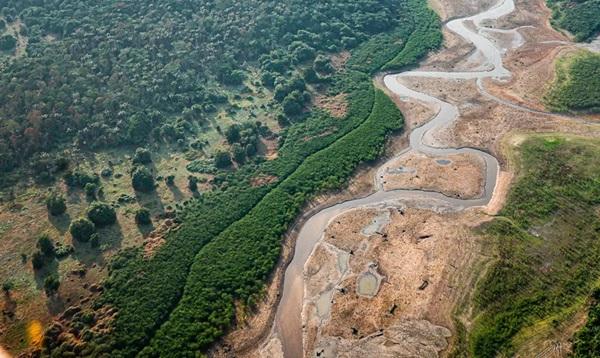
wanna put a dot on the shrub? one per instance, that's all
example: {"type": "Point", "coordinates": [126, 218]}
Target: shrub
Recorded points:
{"type": "Point", "coordinates": [90, 190]}
{"type": "Point", "coordinates": [46, 245]}
{"type": "Point", "coordinates": [8, 43]}
{"type": "Point", "coordinates": [193, 183]}
{"type": "Point", "coordinates": [142, 217]}
{"type": "Point", "coordinates": [142, 180]}
{"type": "Point", "coordinates": [95, 240]}
{"type": "Point", "coordinates": [102, 214]}
{"type": "Point", "coordinates": [51, 284]}
{"type": "Point", "coordinates": [56, 204]}
{"type": "Point", "coordinates": [222, 159]}
{"type": "Point", "coordinates": [37, 260]}
{"type": "Point", "coordinates": [142, 156]}
{"type": "Point", "coordinates": [82, 229]}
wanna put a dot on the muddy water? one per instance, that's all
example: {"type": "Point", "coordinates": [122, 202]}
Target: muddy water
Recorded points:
{"type": "Point", "coordinates": [288, 321]}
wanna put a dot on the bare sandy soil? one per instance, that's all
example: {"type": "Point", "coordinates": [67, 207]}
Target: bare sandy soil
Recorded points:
{"type": "Point", "coordinates": [460, 176]}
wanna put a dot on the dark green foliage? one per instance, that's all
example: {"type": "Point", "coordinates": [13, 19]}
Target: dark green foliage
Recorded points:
{"type": "Point", "coordinates": [7, 286]}
{"type": "Point", "coordinates": [232, 133]}
{"type": "Point", "coordinates": [37, 260]}
{"type": "Point", "coordinates": [222, 159]}
{"type": "Point", "coordinates": [56, 204]}
{"type": "Point", "coordinates": [101, 214]}
{"type": "Point", "coordinates": [46, 245]}
{"type": "Point", "coordinates": [579, 17]}
{"type": "Point", "coordinates": [142, 156]}
{"type": "Point", "coordinates": [79, 179]}
{"type": "Point", "coordinates": [318, 153]}
{"type": "Point", "coordinates": [142, 217]}
{"type": "Point", "coordinates": [142, 180]}
{"type": "Point", "coordinates": [82, 229]}
{"type": "Point", "coordinates": [51, 284]}
{"type": "Point", "coordinates": [238, 153]}
{"type": "Point", "coordinates": [193, 183]}
{"type": "Point", "coordinates": [577, 84]}
{"type": "Point", "coordinates": [170, 179]}
{"type": "Point", "coordinates": [546, 241]}
{"type": "Point", "coordinates": [587, 340]}
{"type": "Point", "coordinates": [222, 272]}
{"type": "Point", "coordinates": [90, 190]}
{"type": "Point", "coordinates": [7, 43]}
{"type": "Point", "coordinates": [95, 240]}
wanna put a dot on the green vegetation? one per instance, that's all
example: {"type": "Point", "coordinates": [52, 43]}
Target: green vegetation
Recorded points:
{"type": "Point", "coordinates": [579, 17]}
{"type": "Point", "coordinates": [101, 214]}
{"type": "Point", "coordinates": [577, 83]}
{"type": "Point", "coordinates": [587, 340]}
{"type": "Point", "coordinates": [142, 217]}
{"type": "Point", "coordinates": [56, 204]}
{"type": "Point", "coordinates": [82, 229]}
{"type": "Point", "coordinates": [156, 82]}
{"type": "Point", "coordinates": [547, 246]}
{"type": "Point", "coordinates": [46, 245]}
{"type": "Point", "coordinates": [142, 180]}
{"type": "Point", "coordinates": [51, 284]}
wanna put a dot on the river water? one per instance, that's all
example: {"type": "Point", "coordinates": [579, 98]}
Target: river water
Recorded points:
{"type": "Point", "coordinates": [288, 319]}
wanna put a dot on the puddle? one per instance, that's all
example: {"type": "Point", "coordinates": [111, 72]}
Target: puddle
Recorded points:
{"type": "Point", "coordinates": [401, 170]}
{"type": "Point", "coordinates": [443, 161]}
{"type": "Point", "coordinates": [324, 304]}
{"type": "Point", "coordinates": [378, 223]}
{"type": "Point", "coordinates": [368, 285]}
{"type": "Point", "coordinates": [343, 260]}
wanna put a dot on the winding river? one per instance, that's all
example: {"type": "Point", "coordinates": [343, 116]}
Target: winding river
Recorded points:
{"type": "Point", "coordinates": [288, 321]}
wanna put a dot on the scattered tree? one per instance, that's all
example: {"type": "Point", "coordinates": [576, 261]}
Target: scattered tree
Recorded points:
{"type": "Point", "coordinates": [90, 190]}
{"type": "Point", "coordinates": [142, 156]}
{"type": "Point", "coordinates": [193, 183]}
{"type": "Point", "coordinates": [82, 229]}
{"type": "Point", "coordinates": [8, 43]}
{"type": "Point", "coordinates": [142, 180]}
{"type": "Point", "coordinates": [102, 214]}
{"type": "Point", "coordinates": [56, 204]}
{"type": "Point", "coordinates": [51, 284]}
{"type": "Point", "coordinates": [142, 217]}
{"type": "Point", "coordinates": [37, 260]}
{"type": "Point", "coordinates": [46, 245]}
{"type": "Point", "coordinates": [222, 159]}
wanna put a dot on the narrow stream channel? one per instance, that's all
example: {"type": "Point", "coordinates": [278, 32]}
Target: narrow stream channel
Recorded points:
{"type": "Point", "coordinates": [288, 321]}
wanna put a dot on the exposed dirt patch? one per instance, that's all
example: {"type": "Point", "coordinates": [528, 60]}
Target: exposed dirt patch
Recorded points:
{"type": "Point", "coordinates": [339, 60]}
{"type": "Point", "coordinates": [337, 105]}
{"type": "Point", "coordinates": [263, 180]}
{"type": "Point", "coordinates": [460, 176]}
{"type": "Point", "coordinates": [419, 253]}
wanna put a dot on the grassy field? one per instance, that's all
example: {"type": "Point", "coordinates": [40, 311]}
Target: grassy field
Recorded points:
{"type": "Point", "coordinates": [546, 242]}
{"type": "Point", "coordinates": [577, 83]}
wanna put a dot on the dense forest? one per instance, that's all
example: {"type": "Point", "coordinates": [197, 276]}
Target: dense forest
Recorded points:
{"type": "Point", "coordinates": [106, 74]}
{"type": "Point", "coordinates": [580, 17]}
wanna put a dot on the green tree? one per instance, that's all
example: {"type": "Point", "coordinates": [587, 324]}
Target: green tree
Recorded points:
{"type": "Point", "coordinates": [142, 180]}
{"type": "Point", "coordinates": [101, 214]}
{"type": "Point", "coordinates": [56, 204]}
{"type": "Point", "coordinates": [8, 43]}
{"type": "Point", "coordinates": [239, 153]}
{"type": "Point", "coordinates": [222, 159]}
{"type": "Point", "coordinates": [193, 183]}
{"type": "Point", "coordinates": [46, 245]}
{"type": "Point", "coordinates": [142, 217]}
{"type": "Point", "coordinates": [90, 190]}
{"type": "Point", "coordinates": [232, 133]}
{"type": "Point", "coordinates": [142, 156]}
{"type": "Point", "coordinates": [37, 260]}
{"type": "Point", "coordinates": [82, 229]}
{"type": "Point", "coordinates": [51, 285]}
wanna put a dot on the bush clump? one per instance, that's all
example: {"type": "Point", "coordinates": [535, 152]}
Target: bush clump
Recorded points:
{"type": "Point", "coordinates": [102, 214]}
{"type": "Point", "coordinates": [142, 217]}
{"type": "Point", "coordinates": [56, 204]}
{"type": "Point", "coordinates": [82, 229]}
{"type": "Point", "coordinates": [142, 180]}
